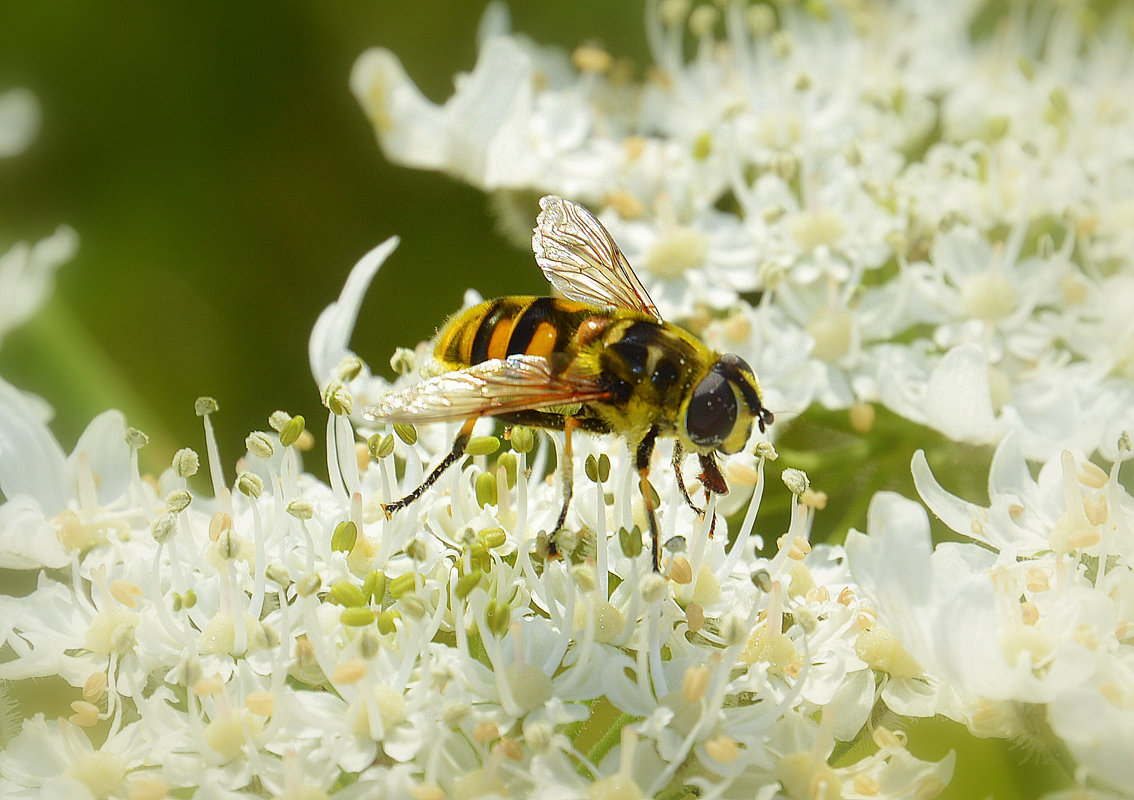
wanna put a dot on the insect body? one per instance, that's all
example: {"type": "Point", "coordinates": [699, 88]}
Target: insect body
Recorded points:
{"type": "Point", "coordinates": [602, 361]}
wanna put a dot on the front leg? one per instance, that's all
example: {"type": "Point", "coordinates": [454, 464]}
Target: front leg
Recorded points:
{"type": "Point", "coordinates": [678, 455]}
{"type": "Point", "coordinates": [459, 445]}
{"type": "Point", "coordinates": [714, 482]}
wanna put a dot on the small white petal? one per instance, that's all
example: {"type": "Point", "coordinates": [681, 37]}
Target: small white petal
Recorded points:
{"type": "Point", "coordinates": [31, 461]}
{"type": "Point", "coordinates": [102, 449]}
{"type": "Point", "coordinates": [958, 401]}
{"type": "Point", "coordinates": [330, 338]}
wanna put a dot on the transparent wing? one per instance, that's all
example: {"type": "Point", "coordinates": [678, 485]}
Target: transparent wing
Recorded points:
{"type": "Point", "coordinates": [499, 386]}
{"type": "Point", "coordinates": [580, 258]}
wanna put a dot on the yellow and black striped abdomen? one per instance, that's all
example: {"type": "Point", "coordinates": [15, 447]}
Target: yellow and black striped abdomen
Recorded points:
{"type": "Point", "coordinates": [506, 326]}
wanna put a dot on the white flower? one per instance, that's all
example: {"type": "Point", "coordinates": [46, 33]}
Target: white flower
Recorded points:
{"type": "Point", "coordinates": [55, 759]}
{"type": "Point", "coordinates": [1034, 615]}
{"type": "Point", "coordinates": [57, 503]}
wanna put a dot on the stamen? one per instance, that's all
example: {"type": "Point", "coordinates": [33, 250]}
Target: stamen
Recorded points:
{"type": "Point", "coordinates": [205, 407]}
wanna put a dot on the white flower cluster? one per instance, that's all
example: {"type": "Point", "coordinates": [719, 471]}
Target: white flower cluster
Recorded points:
{"type": "Point", "coordinates": [1027, 631]}
{"type": "Point", "coordinates": [937, 210]}
{"type": "Point", "coordinates": [282, 638]}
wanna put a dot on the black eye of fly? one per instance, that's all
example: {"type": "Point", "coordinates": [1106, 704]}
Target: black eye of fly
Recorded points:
{"type": "Point", "coordinates": [712, 411]}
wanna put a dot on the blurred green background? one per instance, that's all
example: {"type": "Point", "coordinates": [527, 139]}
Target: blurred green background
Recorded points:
{"type": "Point", "coordinates": [223, 181]}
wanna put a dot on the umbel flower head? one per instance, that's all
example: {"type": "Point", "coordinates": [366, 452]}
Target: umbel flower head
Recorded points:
{"type": "Point", "coordinates": [1026, 627]}
{"type": "Point", "coordinates": [278, 636]}
{"type": "Point", "coordinates": [932, 203]}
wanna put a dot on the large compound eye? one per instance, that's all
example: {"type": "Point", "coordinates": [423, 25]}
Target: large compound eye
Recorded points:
{"type": "Point", "coordinates": [712, 411]}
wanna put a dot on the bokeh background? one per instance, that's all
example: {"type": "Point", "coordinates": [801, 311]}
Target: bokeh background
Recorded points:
{"type": "Point", "coordinates": [223, 181]}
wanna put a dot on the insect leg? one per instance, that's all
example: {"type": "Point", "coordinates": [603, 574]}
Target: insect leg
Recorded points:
{"type": "Point", "coordinates": [713, 481]}
{"type": "Point", "coordinates": [642, 461]}
{"type": "Point", "coordinates": [678, 454]}
{"type": "Point", "coordinates": [459, 445]}
{"type": "Point", "coordinates": [567, 478]}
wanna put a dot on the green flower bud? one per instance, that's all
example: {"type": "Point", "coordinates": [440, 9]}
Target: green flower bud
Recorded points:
{"type": "Point", "coordinates": [347, 594]}
{"type": "Point", "coordinates": [338, 399]}
{"type": "Point", "coordinates": [509, 463]}
{"type": "Point", "coordinates": [482, 446]}
{"type": "Point", "coordinates": [466, 583]}
{"type": "Point", "coordinates": [486, 489]}
{"type": "Point", "coordinates": [380, 446]}
{"type": "Point", "coordinates": [387, 620]}
{"type": "Point", "coordinates": [356, 617]}
{"type": "Point", "coordinates": [655, 499]}
{"type": "Point", "coordinates": [406, 432]}
{"type": "Point", "coordinates": [498, 616]}
{"type": "Point", "coordinates": [597, 469]}
{"type": "Point", "coordinates": [630, 541]}
{"type": "Point", "coordinates": [492, 537]}
{"type": "Point", "coordinates": [374, 587]}
{"type": "Point", "coordinates": [523, 439]}
{"type": "Point", "coordinates": [292, 430]}
{"type": "Point", "coordinates": [344, 537]}
{"type": "Point", "coordinates": [402, 585]}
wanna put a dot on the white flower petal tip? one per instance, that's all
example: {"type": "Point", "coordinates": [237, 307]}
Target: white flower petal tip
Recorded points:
{"type": "Point", "coordinates": [330, 337]}
{"type": "Point", "coordinates": [480, 134]}
{"type": "Point", "coordinates": [408, 126]}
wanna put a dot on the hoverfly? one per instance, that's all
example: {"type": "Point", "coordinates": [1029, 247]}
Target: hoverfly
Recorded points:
{"type": "Point", "coordinates": [604, 353]}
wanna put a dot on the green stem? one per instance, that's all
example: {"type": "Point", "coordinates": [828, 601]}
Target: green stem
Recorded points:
{"type": "Point", "coordinates": [610, 737]}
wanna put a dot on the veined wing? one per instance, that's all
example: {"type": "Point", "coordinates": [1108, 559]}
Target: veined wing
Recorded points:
{"type": "Point", "coordinates": [580, 258]}
{"type": "Point", "coordinates": [499, 386]}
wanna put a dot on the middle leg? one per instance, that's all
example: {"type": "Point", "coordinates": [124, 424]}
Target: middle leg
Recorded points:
{"type": "Point", "coordinates": [642, 461]}
{"type": "Point", "coordinates": [567, 479]}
